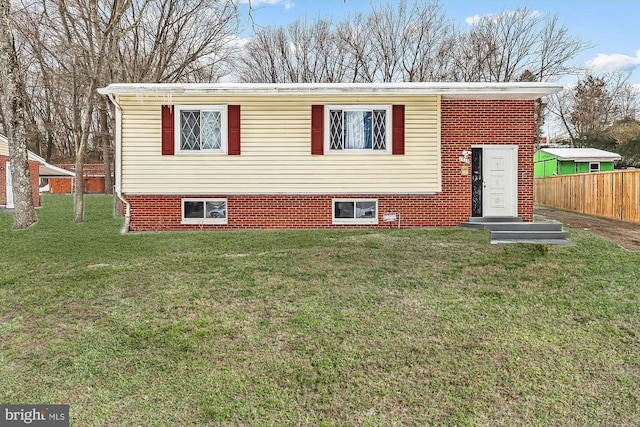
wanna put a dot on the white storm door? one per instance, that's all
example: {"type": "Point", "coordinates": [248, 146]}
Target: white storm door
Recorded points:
{"type": "Point", "coordinates": [9, 187]}
{"type": "Point", "coordinates": [500, 178]}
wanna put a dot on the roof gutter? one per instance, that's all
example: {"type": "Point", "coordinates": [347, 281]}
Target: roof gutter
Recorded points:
{"type": "Point", "coordinates": [118, 163]}
{"type": "Point", "coordinates": [590, 159]}
{"type": "Point", "coordinates": [455, 90]}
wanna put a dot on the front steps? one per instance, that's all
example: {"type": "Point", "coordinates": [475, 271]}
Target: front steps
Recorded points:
{"type": "Point", "coordinates": [513, 230]}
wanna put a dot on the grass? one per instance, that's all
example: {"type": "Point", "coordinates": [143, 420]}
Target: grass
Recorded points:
{"type": "Point", "coordinates": [333, 328]}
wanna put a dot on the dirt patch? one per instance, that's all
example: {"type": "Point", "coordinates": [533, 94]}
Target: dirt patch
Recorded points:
{"type": "Point", "coordinates": [626, 234]}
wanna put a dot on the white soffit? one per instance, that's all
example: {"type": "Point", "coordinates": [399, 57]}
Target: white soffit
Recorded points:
{"type": "Point", "coordinates": [471, 91]}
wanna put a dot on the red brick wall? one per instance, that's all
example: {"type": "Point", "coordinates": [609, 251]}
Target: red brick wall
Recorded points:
{"type": "Point", "coordinates": [467, 123]}
{"type": "Point", "coordinates": [65, 185]}
{"type": "Point", "coordinates": [94, 184]}
{"type": "Point", "coordinates": [34, 172]}
{"type": "Point", "coordinates": [60, 185]}
{"type": "Point", "coordinates": [285, 211]}
{"type": "Point", "coordinates": [35, 181]}
{"type": "Point", "coordinates": [464, 123]}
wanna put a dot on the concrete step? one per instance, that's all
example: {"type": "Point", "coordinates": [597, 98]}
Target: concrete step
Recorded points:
{"type": "Point", "coordinates": [563, 242]}
{"type": "Point", "coordinates": [513, 226]}
{"type": "Point", "coordinates": [514, 230]}
{"type": "Point", "coordinates": [523, 226]}
{"type": "Point", "coordinates": [495, 219]}
{"type": "Point", "coordinates": [524, 235]}
{"type": "Point", "coordinates": [474, 225]}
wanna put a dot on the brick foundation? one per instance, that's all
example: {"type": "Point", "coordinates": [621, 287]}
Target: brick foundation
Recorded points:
{"type": "Point", "coordinates": [289, 211]}
{"type": "Point", "coordinates": [465, 123]}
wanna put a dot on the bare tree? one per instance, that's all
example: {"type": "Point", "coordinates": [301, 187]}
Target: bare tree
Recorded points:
{"type": "Point", "coordinates": [175, 41]}
{"type": "Point", "coordinates": [539, 109]}
{"type": "Point", "coordinates": [426, 41]}
{"type": "Point", "coordinates": [352, 36]}
{"type": "Point", "coordinates": [501, 48]}
{"type": "Point", "coordinates": [72, 47]}
{"type": "Point", "coordinates": [13, 97]}
{"type": "Point", "coordinates": [302, 52]}
{"type": "Point", "coordinates": [412, 41]}
{"type": "Point", "coordinates": [82, 43]}
{"type": "Point", "coordinates": [394, 42]}
{"type": "Point", "coordinates": [596, 105]}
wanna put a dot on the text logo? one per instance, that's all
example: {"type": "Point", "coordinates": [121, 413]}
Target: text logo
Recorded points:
{"type": "Point", "coordinates": [34, 415]}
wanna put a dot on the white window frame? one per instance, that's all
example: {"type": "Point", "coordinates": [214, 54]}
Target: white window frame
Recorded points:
{"type": "Point", "coordinates": [224, 138]}
{"type": "Point", "coordinates": [388, 128]}
{"type": "Point", "coordinates": [204, 220]}
{"type": "Point", "coordinates": [594, 170]}
{"type": "Point", "coordinates": [352, 221]}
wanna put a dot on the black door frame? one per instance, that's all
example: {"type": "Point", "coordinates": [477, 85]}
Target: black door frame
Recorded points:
{"type": "Point", "coordinates": [476, 182]}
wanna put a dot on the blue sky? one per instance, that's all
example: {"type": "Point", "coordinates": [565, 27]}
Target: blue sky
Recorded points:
{"type": "Point", "coordinates": [611, 26]}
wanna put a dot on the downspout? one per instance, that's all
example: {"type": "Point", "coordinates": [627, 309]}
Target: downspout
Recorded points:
{"type": "Point", "coordinates": [118, 164]}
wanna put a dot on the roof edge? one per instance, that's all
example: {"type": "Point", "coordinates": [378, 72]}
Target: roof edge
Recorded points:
{"type": "Point", "coordinates": [582, 154]}
{"type": "Point", "coordinates": [508, 90]}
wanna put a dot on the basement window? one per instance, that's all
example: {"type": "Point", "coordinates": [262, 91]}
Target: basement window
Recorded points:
{"type": "Point", "coordinates": [355, 211]}
{"type": "Point", "coordinates": [204, 211]}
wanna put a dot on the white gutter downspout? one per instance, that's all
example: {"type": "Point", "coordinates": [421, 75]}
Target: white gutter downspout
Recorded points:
{"type": "Point", "coordinates": [118, 163]}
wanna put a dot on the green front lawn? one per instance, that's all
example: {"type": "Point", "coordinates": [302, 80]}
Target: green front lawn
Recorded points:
{"type": "Point", "coordinates": [347, 327]}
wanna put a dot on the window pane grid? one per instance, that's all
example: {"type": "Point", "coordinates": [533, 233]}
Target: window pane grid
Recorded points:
{"type": "Point", "coordinates": [190, 132]}
{"type": "Point", "coordinates": [379, 130]}
{"type": "Point", "coordinates": [357, 129]}
{"type": "Point", "coordinates": [201, 130]}
{"type": "Point", "coordinates": [211, 135]}
{"type": "Point", "coordinates": [335, 130]}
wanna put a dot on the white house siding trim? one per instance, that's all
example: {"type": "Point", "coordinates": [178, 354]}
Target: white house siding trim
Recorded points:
{"type": "Point", "coordinates": [276, 149]}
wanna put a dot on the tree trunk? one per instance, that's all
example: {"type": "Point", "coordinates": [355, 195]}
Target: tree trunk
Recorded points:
{"type": "Point", "coordinates": [106, 146]}
{"type": "Point", "coordinates": [78, 183]}
{"type": "Point", "coordinates": [13, 98]}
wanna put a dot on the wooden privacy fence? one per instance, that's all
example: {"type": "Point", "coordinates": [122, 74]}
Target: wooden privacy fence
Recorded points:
{"type": "Point", "coordinates": [613, 194]}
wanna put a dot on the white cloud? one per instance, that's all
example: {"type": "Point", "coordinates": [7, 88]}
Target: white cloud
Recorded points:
{"type": "Point", "coordinates": [614, 62]}
{"type": "Point", "coordinates": [238, 42]}
{"type": "Point", "coordinates": [255, 3]}
{"type": "Point", "coordinates": [473, 20]}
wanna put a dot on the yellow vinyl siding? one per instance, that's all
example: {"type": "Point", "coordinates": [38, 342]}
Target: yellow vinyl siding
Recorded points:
{"type": "Point", "coordinates": [276, 150]}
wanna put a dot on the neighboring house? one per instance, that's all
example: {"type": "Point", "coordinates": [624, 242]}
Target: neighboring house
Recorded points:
{"type": "Point", "coordinates": [38, 168]}
{"type": "Point", "coordinates": [222, 156]}
{"type": "Point", "coordinates": [564, 161]}
{"type": "Point", "coordinates": [94, 179]}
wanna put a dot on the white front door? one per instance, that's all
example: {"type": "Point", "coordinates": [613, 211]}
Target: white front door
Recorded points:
{"type": "Point", "coordinates": [500, 178]}
{"type": "Point", "coordinates": [9, 189]}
